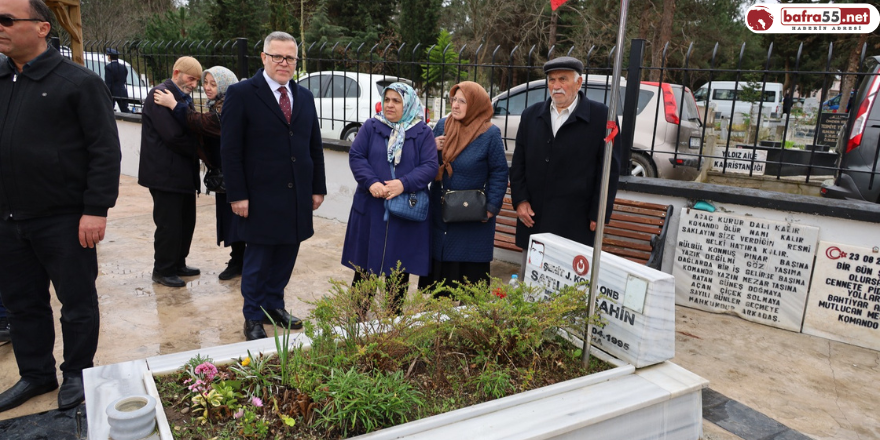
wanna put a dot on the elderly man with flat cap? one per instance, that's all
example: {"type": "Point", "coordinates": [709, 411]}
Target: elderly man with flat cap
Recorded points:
{"type": "Point", "coordinates": [556, 172]}
{"type": "Point", "coordinates": [169, 167]}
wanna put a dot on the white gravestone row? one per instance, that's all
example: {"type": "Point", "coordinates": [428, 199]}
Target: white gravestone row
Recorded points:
{"type": "Point", "coordinates": [639, 303]}
{"type": "Point", "coordinates": [756, 268]}
{"type": "Point", "coordinates": [844, 302]}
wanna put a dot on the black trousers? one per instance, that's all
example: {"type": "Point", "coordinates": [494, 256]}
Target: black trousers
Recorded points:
{"type": "Point", "coordinates": [32, 253]}
{"type": "Point", "coordinates": [175, 217]}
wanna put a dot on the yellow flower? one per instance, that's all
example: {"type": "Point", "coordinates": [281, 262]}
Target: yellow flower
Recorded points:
{"type": "Point", "coordinates": [246, 362]}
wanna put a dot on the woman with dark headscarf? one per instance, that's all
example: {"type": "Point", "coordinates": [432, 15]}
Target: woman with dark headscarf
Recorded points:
{"type": "Point", "coordinates": [374, 241]}
{"type": "Point", "coordinates": [472, 158]}
{"type": "Point", "coordinates": [215, 81]}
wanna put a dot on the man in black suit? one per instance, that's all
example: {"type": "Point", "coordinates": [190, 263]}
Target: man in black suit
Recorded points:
{"type": "Point", "coordinates": [114, 76]}
{"type": "Point", "coordinates": [169, 167]}
{"type": "Point", "coordinates": [273, 165]}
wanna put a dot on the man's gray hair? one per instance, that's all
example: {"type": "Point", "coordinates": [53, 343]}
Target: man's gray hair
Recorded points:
{"type": "Point", "coordinates": [277, 36]}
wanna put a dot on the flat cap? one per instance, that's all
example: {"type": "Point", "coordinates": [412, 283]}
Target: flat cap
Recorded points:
{"type": "Point", "coordinates": [564, 63]}
{"type": "Point", "coordinates": [111, 51]}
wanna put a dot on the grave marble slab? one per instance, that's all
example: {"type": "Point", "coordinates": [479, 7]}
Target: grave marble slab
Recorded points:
{"type": "Point", "coordinates": [639, 302]}
{"type": "Point", "coordinates": [105, 384]}
{"type": "Point", "coordinates": [756, 268]}
{"type": "Point", "coordinates": [844, 303]}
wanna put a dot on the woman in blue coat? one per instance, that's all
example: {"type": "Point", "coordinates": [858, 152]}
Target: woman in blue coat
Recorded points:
{"type": "Point", "coordinates": [472, 158]}
{"type": "Point", "coordinates": [396, 137]}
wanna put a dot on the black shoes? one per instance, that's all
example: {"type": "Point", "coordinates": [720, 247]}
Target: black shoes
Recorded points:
{"type": "Point", "coordinates": [187, 271]}
{"type": "Point", "coordinates": [23, 391]}
{"type": "Point", "coordinates": [232, 270]}
{"type": "Point", "coordinates": [254, 330]}
{"type": "Point", "coordinates": [284, 319]}
{"type": "Point", "coordinates": [170, 281]}
{"type": "Point", "coordinates": [72, 393]}
{"type": "Point", "coordinates": [5, 330]}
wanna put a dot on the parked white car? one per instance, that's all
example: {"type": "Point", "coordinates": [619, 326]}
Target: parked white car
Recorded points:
{"type": "Point", "coordinates": [667, 131]}
{"type": "Point", "coordinates": [137, 87]}
{"type": "Point", "coordinates": [345, 100]}
{"type": "Point", "coordinates": [723, 94]}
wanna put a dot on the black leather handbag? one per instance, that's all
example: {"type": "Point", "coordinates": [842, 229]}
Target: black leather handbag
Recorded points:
{"type": "Point", "coordinates": [467, 205]}
{"type": "Point", "coordinates": [214, 180]}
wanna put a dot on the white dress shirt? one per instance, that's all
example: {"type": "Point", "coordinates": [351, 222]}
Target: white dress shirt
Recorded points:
{"type": "Point", "coordinates": [275, 86]}
{"type": "Point", "coordinates": [557, 118]}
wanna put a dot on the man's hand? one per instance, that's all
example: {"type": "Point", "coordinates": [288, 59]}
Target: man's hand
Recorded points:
{"type": "Point", "coordinates": [240, 208]}
{"type": "Point", "coordinates": [524, 213]}
{"type": "Point", "coordinates": [317, 199]}
{"type": "Point", "coordinates": [91, 230]}
{"type": "Point", "coordinates": [592, 225]}
{"type": "Point", "coordinates": [394, 187]}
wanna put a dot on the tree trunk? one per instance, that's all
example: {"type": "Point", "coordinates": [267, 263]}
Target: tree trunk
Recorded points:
{"type": "Point", "coordinates": [852, 66]}
{"type": "Point", "coordinates": [554, 17]}
{"type": "Point", "coordinates": [662, 38]}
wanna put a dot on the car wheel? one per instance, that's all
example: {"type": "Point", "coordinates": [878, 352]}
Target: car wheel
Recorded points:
{"type": "Point", "coordinates": [641, 166]}
{"type": "Point", "coordinates": [349, 133]}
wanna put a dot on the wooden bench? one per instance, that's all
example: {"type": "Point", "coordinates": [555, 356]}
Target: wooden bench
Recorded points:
{"type": "Point", "coordinates": [637, 230]}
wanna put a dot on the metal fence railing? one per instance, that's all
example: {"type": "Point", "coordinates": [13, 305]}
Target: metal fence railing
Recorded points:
{"type": "Point", "coordinates": [666, 131]}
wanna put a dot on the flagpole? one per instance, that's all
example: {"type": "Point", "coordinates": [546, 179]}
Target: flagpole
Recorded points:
{"type": "Point", "coordinates": [606, 172]}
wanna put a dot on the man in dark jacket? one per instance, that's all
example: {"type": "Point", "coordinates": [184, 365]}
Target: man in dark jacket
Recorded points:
{"type": "Point", "coordinates": [273, 166]}
{"type": "Point", "coordinates": [169, 167]}
{"type": "Point", "coordinates": [59, 174]}
{"type": "Point", "coordinates": [556, 171]}
{"type": "Point", "coordinates": [115, 75]}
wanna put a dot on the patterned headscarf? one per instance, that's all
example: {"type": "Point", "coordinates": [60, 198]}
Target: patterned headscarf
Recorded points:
{"type": "Point", "coordinates": [223, 77]}
{"type": "Point", "coordinates": [412, 114]}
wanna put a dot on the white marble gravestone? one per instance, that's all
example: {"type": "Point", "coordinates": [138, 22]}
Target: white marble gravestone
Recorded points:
{"type": "Point", "coordinates": [639, 306]}
{"type": "Point", "coordinates": [756, 268]}
{"type": "Point", "coordinates": [844, 303]}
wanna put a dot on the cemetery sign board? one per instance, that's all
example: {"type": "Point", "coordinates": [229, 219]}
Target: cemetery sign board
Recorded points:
{"type": "Point", "coordinates": [844, 302]}
{"type": "Point", "coordinates": [638, 303]}
{"type": "Point", "coordinates": [756, 268]}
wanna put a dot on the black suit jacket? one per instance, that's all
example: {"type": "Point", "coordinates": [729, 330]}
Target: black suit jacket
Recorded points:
{"type": "Point", "coordinates": [560, 176]}
{"type": "Point", "coordinates": [274, 165]}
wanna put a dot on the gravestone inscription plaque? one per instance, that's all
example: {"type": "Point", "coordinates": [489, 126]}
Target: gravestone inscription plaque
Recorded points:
{"type": "Point", "coordinates": [638, 303]}
{"type": "Point", "coordinates": [844, 303]}
{"type": "Point", "coordinates": [756, 268]}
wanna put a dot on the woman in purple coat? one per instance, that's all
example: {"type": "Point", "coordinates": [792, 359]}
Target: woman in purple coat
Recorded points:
{"type": "Point", "coordinates": [396, 137]}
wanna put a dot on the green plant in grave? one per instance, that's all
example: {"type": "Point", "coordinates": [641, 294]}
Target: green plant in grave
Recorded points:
{"type": "Point", "coordinates": [361, 402]}
{"type": "Point", "coordinates": [282, 348]}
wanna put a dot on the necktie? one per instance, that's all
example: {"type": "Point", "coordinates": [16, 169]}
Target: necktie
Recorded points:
{"type": "Point", "coordinates": [285, 103]}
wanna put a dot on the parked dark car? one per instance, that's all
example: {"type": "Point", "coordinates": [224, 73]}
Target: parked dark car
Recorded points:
{"type": "Point", "coordinates": [859, 178]}
{"type": "Point", "coordinates": [833, 105]}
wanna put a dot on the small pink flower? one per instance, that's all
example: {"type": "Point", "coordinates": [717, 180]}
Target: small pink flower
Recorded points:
{"type": "Point", "coordinates": [256, 401]}
{"type": "Point", "coordinates": [208, 369]}
{"type": "Point", "coordinates": [238, 414]}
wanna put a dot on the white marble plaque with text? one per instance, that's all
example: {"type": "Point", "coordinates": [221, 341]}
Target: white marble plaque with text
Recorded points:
{"type": "Point", "coordinates": [756, 268]}
{"type": "Point", "coordinates": [844, 302]}
{"type": "Point", "coordinates": [640, 338]}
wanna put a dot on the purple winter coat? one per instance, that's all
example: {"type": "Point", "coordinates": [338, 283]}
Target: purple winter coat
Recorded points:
{"type": "Point", "coordinates": [371, 243]}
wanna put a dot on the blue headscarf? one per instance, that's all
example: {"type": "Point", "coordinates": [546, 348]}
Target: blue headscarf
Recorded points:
{"type": "Point", "coordinates": [412, 114]}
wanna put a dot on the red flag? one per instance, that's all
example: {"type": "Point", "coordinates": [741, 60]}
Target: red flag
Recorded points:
{"type": "Point", "coordinates": [555, 4]}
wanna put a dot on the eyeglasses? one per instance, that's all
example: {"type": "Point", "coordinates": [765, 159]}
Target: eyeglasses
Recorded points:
{"type": "Point", "coordinates": [458, 100]}
{"type": "Point", "coordinates": [7, 21]}
{"type": "Point", "coordinates": [277, 59]}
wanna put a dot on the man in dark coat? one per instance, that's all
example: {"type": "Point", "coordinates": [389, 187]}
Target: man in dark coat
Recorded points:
{"type": "Point", "coordinates": [556, 172]}
{"type": "Point", "coordinates": [59, 174]}
{"type": "Point", "coordinates": [115, 75]}
{"type": "Point", "coordinates": [169, 167]}
{"type": "Point", "coordinates": [273, 166]}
